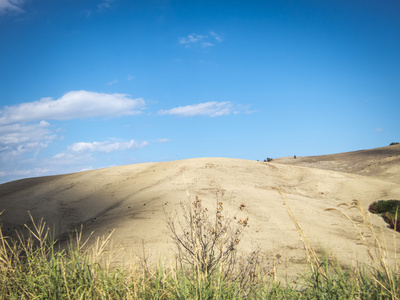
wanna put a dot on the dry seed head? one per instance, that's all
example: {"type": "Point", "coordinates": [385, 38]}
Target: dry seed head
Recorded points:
{"type": "Point", "coordinates": [197, 202]}
{"type": "Point", "coordinates": [243, 222]}
{"type": "Point", "coordinates": [242, 205]}
{"type": "Point", "coordinates": [219, 207]}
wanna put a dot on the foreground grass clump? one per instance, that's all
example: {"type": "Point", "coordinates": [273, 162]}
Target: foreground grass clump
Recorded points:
{"type": "Point", "coordinates": [207, 266]}
{"type": "Point", "coordinates": [388, 210]}
{"type": "Point", "coordinates": [33, 267]}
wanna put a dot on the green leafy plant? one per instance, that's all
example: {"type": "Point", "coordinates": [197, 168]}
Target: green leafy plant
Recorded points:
{"type": "Point", "coordinates": [388, 210]}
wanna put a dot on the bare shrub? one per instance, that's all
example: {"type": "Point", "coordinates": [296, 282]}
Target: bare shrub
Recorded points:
{"type": "Point", "coordinates": [207, 242]}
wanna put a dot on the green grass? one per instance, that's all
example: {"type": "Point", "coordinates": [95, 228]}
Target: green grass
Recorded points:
{"type": "Point", "coordinates": [36, 268]}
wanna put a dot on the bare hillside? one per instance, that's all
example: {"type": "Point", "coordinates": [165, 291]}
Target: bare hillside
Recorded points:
{"type": "Point", "coordinates": [383, 163]}
{"type": "Point", "coordinates": [134, 199]}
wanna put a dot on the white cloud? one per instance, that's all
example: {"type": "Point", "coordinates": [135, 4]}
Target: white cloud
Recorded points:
{"type": "Point", "coordinates": [78, 157]}
{"type": "Point", "coordinates": [202, 40]}
{"type": "Point", "coordinates": [19, 133]}
{"type": "Point", "coordinates": [211, 109]}
{"type": "Point", "coordinates": [11, 6]}
{"type": "Point", "coordinates": [20, 145]}
{"type": "Point", "coordinates": [84, 155]}
{"type": "Point", "coordinates": [72, 105]}
{"type": "Point", "coordinates": [106, 147]}
{"type": "Point", "coordinates": [19, 138]}
{"type": "Point", "coordinates": [25, 132]}
{"type": "Point", "coordinates": [191, 38]}
{"type": "Point", "coordinates": [86, 169]}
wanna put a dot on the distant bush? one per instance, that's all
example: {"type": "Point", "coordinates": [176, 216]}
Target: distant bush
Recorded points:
{"type": "Point", "coordinates": [394, 143]}
{"type": "Point", "coordinates": [268, 159]}
{"type": "Point", "coordinates": [388, 210]}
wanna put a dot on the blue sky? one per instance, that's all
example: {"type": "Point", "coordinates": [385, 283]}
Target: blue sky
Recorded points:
{"type": "Point", "coordinates": [99, 83]}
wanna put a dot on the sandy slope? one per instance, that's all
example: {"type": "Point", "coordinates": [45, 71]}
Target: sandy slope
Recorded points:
{"type": "Point", "coordinates": [383, 163]}
{"type": "Point", "coordinates": [133, 199]}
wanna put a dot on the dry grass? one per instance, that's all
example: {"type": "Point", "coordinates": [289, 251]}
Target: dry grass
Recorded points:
{"type": "Point", "coordinates": [385, 274]}
{"type": "Point", "coordinates": [206, 265]}
{"type": "Point", "coordinates": [378, 280]}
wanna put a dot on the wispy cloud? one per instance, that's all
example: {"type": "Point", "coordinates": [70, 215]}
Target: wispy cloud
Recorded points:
{"type": "Point", "coordinates": [106, 146]}
{"type": "Point", "coordinates": [216, 36]}
{"type": "Point", "coordinates": [20, 138]}
{"type": "Point", "coordinates": [114, 81]}
{"type": "Point", "coordinates": [163, 140]}
{"type": "Point", "coordinates": [102, 6]}
{"type": "Point", "coordinates": [105, 4]}
{"type": "Point", "coordinates": [192, 39]}
{"type": "Point", "coordinates": [11, 6]}
{"type": "Point", "coordinates": [211, 109]}
{"type": "Point", "coordinates": [72, 105]}
{"type": "Point", "coordinates": [77, 157]}
{"type": "Point", "coordinates": [81, 155]}
{"type": "Point", "coordinates": [20, 145]}
{"type": "Point", "coordinates": [201, 40]}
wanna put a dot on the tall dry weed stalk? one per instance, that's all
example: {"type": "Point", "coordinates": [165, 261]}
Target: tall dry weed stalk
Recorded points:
{"type": "Point", "coordinates": [312, 257]}
{"type": "Point", "coordinates": [356, 284]}
{"type": "Point", "coordinates": [206, 244]}
{"type": "Point", "coordinates": [385, 274]}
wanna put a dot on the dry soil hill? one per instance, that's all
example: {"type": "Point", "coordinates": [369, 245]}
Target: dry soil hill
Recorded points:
{"type": "Point", "coordinates": [383, 163]}
{"type": "Point", "coordinates": [133, 200]}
